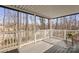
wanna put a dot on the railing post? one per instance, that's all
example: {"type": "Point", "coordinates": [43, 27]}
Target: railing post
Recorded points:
{"type": "Point", "coordinates": [64, 34]}
{"type": "Point", "coordinates": [35, 38]}
{"type": "Point", "coordinates": [20, 39]}
{"type": "Point", "coordinates": [45, 33]}
{"type": "Point", "coordinates": [49, 33]}
{"type": "Point", "coordinates": [52, 30]}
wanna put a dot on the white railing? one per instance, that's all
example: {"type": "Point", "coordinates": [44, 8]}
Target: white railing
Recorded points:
{"type": "Point", "coordinates": [42, 34]}
{"type": "Point", "coordinates": [12, 40]}
{"type": "Point", "coordinates": [8, 41]}
{"type": "Point", "coordinates": [59, 34]}
{"type": "Point", "coordinates": [62, 33]}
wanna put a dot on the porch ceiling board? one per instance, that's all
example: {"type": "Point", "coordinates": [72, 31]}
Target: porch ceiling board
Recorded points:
{"type": "Point", "coordinates": [48, 11]}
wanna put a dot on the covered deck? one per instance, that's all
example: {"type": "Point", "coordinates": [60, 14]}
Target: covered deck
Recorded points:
{"type": "Point", "coordinates": [33, 29]}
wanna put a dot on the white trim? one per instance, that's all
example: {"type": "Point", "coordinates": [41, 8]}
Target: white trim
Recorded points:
{"type": "Point", "coordinates": [26, 44]}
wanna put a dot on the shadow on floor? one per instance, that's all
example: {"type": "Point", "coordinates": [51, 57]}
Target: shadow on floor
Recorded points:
{"type": "Point", "coordinates": [12, 51]}
{"type": "Point", "coordinates": [61, 49]}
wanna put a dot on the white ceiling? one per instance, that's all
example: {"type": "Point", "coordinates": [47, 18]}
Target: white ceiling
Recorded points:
{"type": "Point", "coordinates": [50, 11]}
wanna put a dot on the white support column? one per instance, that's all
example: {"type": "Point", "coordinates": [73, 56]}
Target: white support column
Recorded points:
{"type": "Point", "coordinates": [18, 32]}
{"type": "Point", "coordinates": [34, 28]}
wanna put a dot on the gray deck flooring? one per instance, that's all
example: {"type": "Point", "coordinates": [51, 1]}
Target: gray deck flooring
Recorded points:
{"type": "Point", "coordinates": [48, 46]}
{"type": "Point", "coordinates": [57, 49]}
{"type": "Point", "coordinates": [63, 49]}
